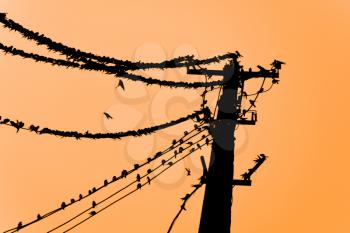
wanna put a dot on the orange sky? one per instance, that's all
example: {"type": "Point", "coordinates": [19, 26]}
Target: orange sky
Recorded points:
{"type": "Point", "coordinates": [302, 123]}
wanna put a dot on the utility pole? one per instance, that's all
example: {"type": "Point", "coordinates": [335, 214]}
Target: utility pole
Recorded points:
{"type": "Point", "coordinates": [216, 210]}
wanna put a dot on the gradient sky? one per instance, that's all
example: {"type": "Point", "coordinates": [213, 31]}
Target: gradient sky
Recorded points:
{"type": "Point", "coordinates": [302, 123]}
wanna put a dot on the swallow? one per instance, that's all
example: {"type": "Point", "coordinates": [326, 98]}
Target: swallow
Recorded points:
{"type": "Point", "coordinates": [90, 192]}
{"type": "Point", "coordinates": [252, 102]}
{"type": "Point", "coordinates": [107, 116]}
{"type": "Point", "coordinates": [19, 226]}
{"type": "Point", "coordinates": [94, 204]}
{"type": "Point", "coordinates": [186, 197]}
{"type": "Point", "coordinates": [277, 64]}
{"type": "Point", "coordinates": [175, 154]}
{"type": "Point", "coordinates": [275, 81]}
{"type": "Point", "coordinates": [149, 160]}
{"type": "Point", "coordinates": [120, 84]}
{"type": "Point", "coordinates": [244, 111]}
{"type": "Point", "coordinates": [174, 142]}
{"type": "Point", "coordinates": [262, 69]}
{"type": "Point", "coordinates": [92, 213]}
{"type": "Point", "coordinates": [3, 15]}
{"type": "Point", "coordinates": [192, 150]}
{"type": "Point", "coordinates": [124, 173]}
{"type": "Point", "coordinates": [63, 205]}
{"type": "Point", "coordinates": [158, 154]}
{"type": "Point", "coordinates": [138, 178]}
{"type": "Point", "coordinates": [188, 171]}
{"type": "Point", "coordinates": [181, 141]}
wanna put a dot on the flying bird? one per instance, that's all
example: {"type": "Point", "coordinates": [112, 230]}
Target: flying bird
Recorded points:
{"type": "Point", "coordinates": [252, 102]}
{"type": "Point", "coordinates": [107, 115]}
{"type": "Point", "coordinates": [188, 171]}
{"type": "Point", "coordinates": [121, 85]}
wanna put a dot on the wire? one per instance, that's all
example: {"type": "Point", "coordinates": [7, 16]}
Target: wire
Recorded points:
{"type": "Point", "coordinates": [78, 55]}
{"type": "Point", "coordinates": [107, 198]}
{"type": "Point", "coordinates": [185, 199]}
{"type": "Point", "coordinates": [78, 135]}
{"type": "Point", "coordinates": [113, 70]}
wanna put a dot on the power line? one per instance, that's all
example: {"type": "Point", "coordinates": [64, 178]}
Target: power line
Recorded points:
{"type": "Point", "coordinates": [78, 55]}
{"type": "Point", "coordinates": [78, 135]}
{"type": "Point", "coordinates": [113, 70]}
{"type": "Point", "coordinates": [187, 136]}
{"type": "Point", "coordinates": [129, 193]}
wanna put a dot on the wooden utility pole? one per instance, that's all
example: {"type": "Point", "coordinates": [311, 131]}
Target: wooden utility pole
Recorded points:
{"type": "Point", "coordinates": [216, 210]}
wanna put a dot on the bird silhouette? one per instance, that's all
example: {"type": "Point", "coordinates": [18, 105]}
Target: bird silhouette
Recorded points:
{"type": "Point", "coordinates": [149, 160]}
{"type": "Point", "coordinates": [108, 116]}
{"type": "Point", "coordinates": [238, 54]}
{"type": "Point", "coordinates": [72, 200]}
{"type": "Point", "coordinates": [163, 161]}
{"type": "Point", "coordinates": [90, 192]}
{"type": "Point", "coordinates": [34, 128]}
{"type": "Point", "coordinates": [207, 141]}
{"type": "Point", "coordinates": [149, 171]}
{"type": "Point", "coordinates": [181, 149]}
{"type": "Point", "coordinates": [120, 84]}
{"type": "Point", "coordinates": [275, 81]}
{"type": "Point", "coordinates": [192, 150]}
{"type": "Point", "coordinates": [190, 143]}
{"type": "Point", "coordinates": [148, 180]}
{"type": "Point", "coordinates": [105, 183]}
{"type": "Point", "coordinates": [185, 133]}
{"type": "Point", "coordinates": [199, 146]}
{"type": "Point", "coordinates": [245, 176]}
{"type": "Point", "coordinates": [277, 64]}
{"type": "Point", "coordinates": [19, 226]}
{"type": "Point", "coordinates": [80, 196]}
{"type": "Point", "coordinates": [94, 189]}
{"type": "Point", "coordinates": [124, 174]}
{"type": "Point", "coordinates": [3, 15]}
{"type": "Point", "coordinates": [138, 178]}
{"type": "Point", "coordinates": [188, 171]}
{"type": "Point", "coordinates": [63, 205]}
{"type": "Point", "coordinates": [186, 197]}
{"type": "Point", "coordinates": [252, 102]}
{"type": "Point", "coordinates": [170, 163]}
{"type": "Point", "coordinates": [92, 213]}
{"type": "Point", "coordinates": [139, 186]}
{"type": "Point", "coordinates": [173, 142]}
{"type": "Point", "coordinates": [175, 154]}
{"type": "Point", "coordinates": [114, 178]}
{"type": "Point", "coordinates": [38, 217]}
{"type": "Point", "coordinates": [94, 204]}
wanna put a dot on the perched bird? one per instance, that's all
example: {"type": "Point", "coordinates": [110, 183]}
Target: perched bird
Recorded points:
{"type": "Point", "coordinates": [105, 183]}
{"type": "Point", "coordinates": [245, 176]}
{"type": "Point", "coordinates": [170, 163]}
{"type": "Point", "coordinates": [94, 189]}
{"type": "Point", "coordinates": [138, 178]}
{"type": "Point", "coordinates": [3, 15]}
{"type": "Point", "coordinates": [238, 54]}
{"type": "Point", "coordinates": [63, 205]}
{"type": "Point", "coordinates": [92, 213]}
{"type": "Point", "coordinates": [39, 217]}
{"type": "Point", "coordinates": [34, 128]}
{"type": "Point", "coordinates": [252, 102]}
{"type": "Point", "coordinates": [175, 154]}
{"type": "Point", "coordinates": [139, 186]}
{"type": "Point", "coordinates": [114, 178]}
{"type": "Point", "coordinates": [120, 84]}
{"type": "Point", "coordinates": [107, 115]}
{"type": "Point", "coordinates": [163, 161]}
{"type": "Point", "coordinates": [275, 81]}
{"type": "Point", "coordinates": [185, 133]}
{"type": "Point", "coordinates": [261, 90]}
{"type": "Point", "coordinates": [188, 171]}
{"type": "Point", "coordinates": [80, 196]}
{"type": "Point", "coordinates": [149, 160]}
{"type": "Point", "coordinates": [262, 69]}
{"type": "Point", "coordinates": [19, 226]}
{"type": "Point", "coordinates": [174, 142]}
{"type": "Point", "coordinates": [277, 64]}
{"type": "Point", "coordinates": [90, 192]}
{"type": "Point", "coordinates": [186, 197]}
{"type": "Point", "coordinates": [94, 204]}
{"type": "Point", "coordinates": [181, 141]}
{"type": "Point", "coordinates": [190, 143]}
{"type": "Point", "coordinates": [124, 174]}
{"type": "Point", "coordinates": [149, 171]}
{"type": "Point", "coordinates": [207, 141]}
{"type": "Point", "coordinates": [72, 200]}
{"type": "Point", "coordinates": [199, 146]}
{"type": "Point", "coordinates": [192, 150]}
{"type": "Point", "coordinates": [148, 180]}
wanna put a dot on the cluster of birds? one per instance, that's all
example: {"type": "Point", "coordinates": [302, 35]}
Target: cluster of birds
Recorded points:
{"type": "Point", "coordinates": [198, 129]}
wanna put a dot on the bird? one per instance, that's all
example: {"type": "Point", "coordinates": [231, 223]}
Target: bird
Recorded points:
{"type": "Point", "coordinates": [124, 173]}
{"type": "Point", "coordinates": [105, 183]}
{"type": "Point", "coordinates": [175, 154]}
{"type": "Point", "coordinates": [245, 176]}
{"type": "Point", "coordinates": [188, 171]}
{"type": "Point", "coordinates": [38, 217]}
{"type": "Point", "coordinates": [277, 64]}
{"type": "Point", "coordinates": [107, 115]}
{"type": "Point", "coordinates": [72, 200]}
{"type": "Point", "coordinates": [149, 171]}
{"type": "Point", "coordinates": [3, 15]}
{"type": "Point", "coordinates": [94, 189]}
{"type": "Point", "coordinates": [120, 84]}
{"type": "Point", "coordinates": [63, 205]}
{"type": "Point", "coordinates": [19, 226]}
{"type": "Point", "coordinates": [262, 69]}
{"type": "Point", "coordinates": [181, 149]}
{"type": "Point", "coordinates": [192, 150]}
{"type": "Point", "coordinates": [170, 163]}
{"type": "Point", "coordinates": [207, 141]}
{"type": "Point", "coordinates": [261, 90]}
{"type": "Point", "coordinates": [163, 161]}
{"type": "Point", "coordinates": [238, 54]}
{"type": "Point", "coordinates": [275, 81]}
{"type": "Point", "coordinates": [94, 204]}
{"type": "Point", "coordinates": [190, 143]}
{"type": "Point", "coordinates": [114, 178]}
{"type": "Point", "coordinates": [174, 142]}
{"type": "Point", "coordinates": [92, 213]}
{"type": "Point", "coordinates": [138, 178]}
{"type": "Point", "coordinates": [139, 186]}
{"type": "Point", "coordinates": [148, 180]}
{"type": "Point", "coordinates": [136, 166]}
{"type": "Point", "coordinates": [80, 196]}
{"type": "Point", "coordinates": [252, 102]}
{"type": "Point", "coordinates": [149, 160]}
{"type": "Point", "coordinates": [34, 128]}
{"type": "Point", "coordinates": [186, 197]}
{"type": "Point", "coordinates": [90, 192]}
{"type": "Point", "coordinates": [199, 146]}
